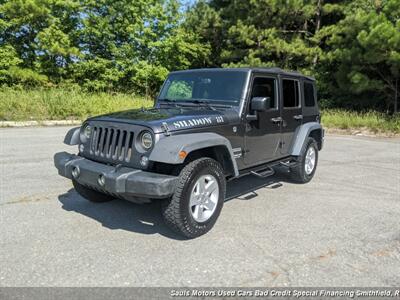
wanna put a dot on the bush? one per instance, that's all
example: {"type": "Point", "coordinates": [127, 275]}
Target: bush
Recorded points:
{"type": "Point", "coordinates": [59, 104]}
{"type": "Point", "coordinates": [27, 77]}
{"type": "Point", "coordinates": [371, 120]}
{"type": "Point", "coordinates": [20, 104]}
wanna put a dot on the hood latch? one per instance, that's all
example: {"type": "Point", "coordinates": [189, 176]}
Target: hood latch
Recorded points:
{"type": "Point", "coordinates": [165, 129]}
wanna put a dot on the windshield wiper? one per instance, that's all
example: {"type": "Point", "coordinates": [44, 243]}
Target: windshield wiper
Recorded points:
{"type": "Point", "coordinates": [202, 101]}
{"type": "Point", "coordinates": [172, 101]}
{"type": "Point", "coordinates": [210, 104]}
{"type": "Point", "coordinates": [188, 102]}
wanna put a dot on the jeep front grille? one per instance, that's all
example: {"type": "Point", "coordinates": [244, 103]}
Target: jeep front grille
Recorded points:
{"type": "Point", "coordinates": [112, 143]}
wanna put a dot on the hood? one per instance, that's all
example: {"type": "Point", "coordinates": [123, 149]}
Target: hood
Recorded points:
{"type": "Point", "coordinates": [176, 118]}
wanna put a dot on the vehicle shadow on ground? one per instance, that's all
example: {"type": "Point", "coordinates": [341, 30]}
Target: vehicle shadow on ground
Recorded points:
{"type": "Point", "coordinates": [146, 218]}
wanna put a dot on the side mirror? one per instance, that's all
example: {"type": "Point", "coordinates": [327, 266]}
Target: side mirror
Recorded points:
{"type": "Point", "coordinates": [260, 103]}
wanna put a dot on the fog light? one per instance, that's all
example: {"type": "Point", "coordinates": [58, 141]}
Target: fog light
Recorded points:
{"type": "Point", "coordinates": [76, 172]}
{"type": "Point", "coordinates": [144, 160]}
{"type": "Point", "coordinates": [101, 180]}
{"type": "Point", "coordinates": [81, 148]}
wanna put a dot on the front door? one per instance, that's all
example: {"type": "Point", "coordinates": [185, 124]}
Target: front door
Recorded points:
{"type": "Point", "coordinates": [291, 112]}
{"type": "Point", "coordinates": [262, 136]}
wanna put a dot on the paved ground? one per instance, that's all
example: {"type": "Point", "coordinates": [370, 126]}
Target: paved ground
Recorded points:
{"type": "Point", "coordinates": [342, 229]}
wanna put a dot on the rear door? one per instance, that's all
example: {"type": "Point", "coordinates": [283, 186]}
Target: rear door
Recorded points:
{"type": "Point", "coordinates": [291, 111]}
{"type": "Point", "coordinates": [262, 136]}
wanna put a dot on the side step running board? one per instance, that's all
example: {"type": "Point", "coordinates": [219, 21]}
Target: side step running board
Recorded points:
{"type": "Point", "coordinates": [265, 173]}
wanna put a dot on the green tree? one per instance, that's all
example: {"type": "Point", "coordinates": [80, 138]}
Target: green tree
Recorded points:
{"type": "Point", "coordinates": [258, 33]}
{"type": "Point", "coordinates": [351, 47]}
{"type": "Point", "coordinates": [98, 44]}
{"type": "Point", "coordinates": [41, 33]}
{"type": "Point", "coordinates": [140, 42]}
{"type": "Point", "coordinates": [8, 60]}
{"type": "Point", "coordinates": [363, 54]}
{"type": "Point", "coordinates": [205, 22]}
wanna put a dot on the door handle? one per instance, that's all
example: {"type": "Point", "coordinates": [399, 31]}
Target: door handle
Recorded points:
{"type": "Point", "coordinates": [298, 117]}
{"type": "Point", "coordinates": [276, 120]}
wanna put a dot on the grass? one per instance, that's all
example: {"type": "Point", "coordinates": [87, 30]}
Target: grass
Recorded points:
{"type": "Point", "coordinates": [62, 104]}
{"type": "Point", "coordinates": [69, 104]}
{"type": "Point", "coordinates": [371, 121]}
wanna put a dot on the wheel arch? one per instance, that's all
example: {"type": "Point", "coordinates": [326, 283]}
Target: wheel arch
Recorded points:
{"type": "Point", "coordinates": [219, 153]}
{"type": "Point", "coordinates": [317, 135]}
{"type": "Point", "coordinates": [72, 136]}
{"type": "Point", "coordinates": [311, 129]}
{"type": "Point", "coordinates": [195, 145]}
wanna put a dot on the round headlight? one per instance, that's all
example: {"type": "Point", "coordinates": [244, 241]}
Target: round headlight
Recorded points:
{"type": "Point", "coordinates": [87, 131]}
{"type": "Point", "coordinates": [147, 140]}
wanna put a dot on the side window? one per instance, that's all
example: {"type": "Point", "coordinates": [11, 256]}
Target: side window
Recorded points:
{"type": "Point", "coordinates": [290, 93]}
{"type": "Point", "coordinates": [309, 98]}
{"type": "Point", "coordinates": [180, 90]}
{"type": "Point", "coordinates": [264, 87]}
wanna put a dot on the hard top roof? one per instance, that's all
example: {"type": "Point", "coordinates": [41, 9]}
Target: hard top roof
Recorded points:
{"type": "Point", "coordinates": [278, 71]}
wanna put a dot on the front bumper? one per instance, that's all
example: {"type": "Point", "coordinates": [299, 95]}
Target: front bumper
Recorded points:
{"type": "Point", "coordinates": [121, 182]}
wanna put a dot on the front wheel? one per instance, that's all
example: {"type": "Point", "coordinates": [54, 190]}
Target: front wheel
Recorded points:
{"type": "Point", "coordinates": [307, 162]}
{"type": "Point", "coordinates": [198, 199]}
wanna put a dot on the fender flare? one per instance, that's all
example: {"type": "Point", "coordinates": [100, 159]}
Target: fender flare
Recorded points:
{"type": "Point", "coordinates": [72, 136]}
{"type": "Point", "coordinates": [166, 150]}
{"type": "Point", "coordinates": [302, 133]}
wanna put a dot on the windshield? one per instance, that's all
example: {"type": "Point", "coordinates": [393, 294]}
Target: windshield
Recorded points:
{"type": "Point", "coordinates": [213, 87]}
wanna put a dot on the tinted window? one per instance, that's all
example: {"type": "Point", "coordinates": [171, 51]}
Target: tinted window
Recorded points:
{"type": "Point", "coordinates": [309, 94]}
{"type": "Point", "coordinates": [264, 87]}
{"type": "Point", "coordinates": [214, 86]}
{"type": "Point", "coordinates": [290, 93]}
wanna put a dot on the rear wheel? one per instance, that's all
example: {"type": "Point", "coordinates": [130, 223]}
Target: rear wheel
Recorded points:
{"type": "Point", "coordinates": [89, 194]}
{"type": "Point", "coordinates": [198, 199]}
{"type": "Point", "coordinates": [304, 170]}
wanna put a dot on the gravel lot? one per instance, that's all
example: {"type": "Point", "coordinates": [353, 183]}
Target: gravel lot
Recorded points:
{"type": "Point", "coordinates": [342, 229]}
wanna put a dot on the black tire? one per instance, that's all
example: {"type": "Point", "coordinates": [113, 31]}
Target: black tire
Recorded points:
{"type": "Point", "coordinates": [298, 173]}
{"type": "Point", "coordinates": [176, 210]}
{"type": "Point", "coordinates": [91, 195]}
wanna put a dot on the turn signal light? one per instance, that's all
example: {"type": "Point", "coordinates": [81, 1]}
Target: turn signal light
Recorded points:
{"type": "Point", "coordinates": [182, 154]}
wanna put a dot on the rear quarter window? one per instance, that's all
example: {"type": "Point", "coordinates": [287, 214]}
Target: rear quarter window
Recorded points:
{"type": "Point", "coordinates": [309, 96]}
